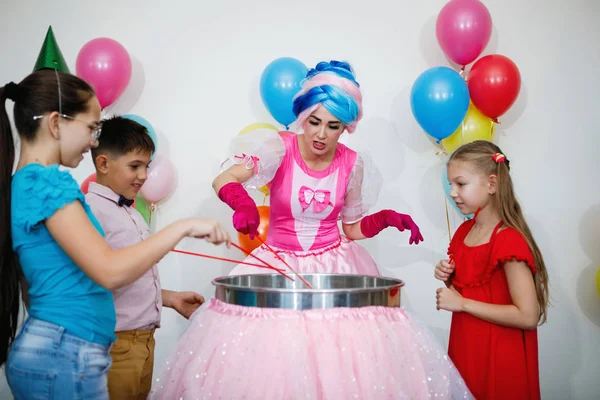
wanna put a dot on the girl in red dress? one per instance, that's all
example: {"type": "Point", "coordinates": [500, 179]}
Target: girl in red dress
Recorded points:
{"type": "Point", "coordinates": [497, 283]}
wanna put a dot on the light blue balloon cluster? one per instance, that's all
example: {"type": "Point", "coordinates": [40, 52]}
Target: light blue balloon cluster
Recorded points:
{"type": "Point", "coordinates": [279, 83]}
{"type": "Point", "coordinates": [148, 127]}
{"type": "Point", "coordinates": [439, 100]}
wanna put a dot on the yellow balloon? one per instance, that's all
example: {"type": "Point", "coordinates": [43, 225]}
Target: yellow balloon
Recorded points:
{"type": "Point", "coordinates": [264, 190]}
{"type": "Point", "coordinates": [257, 125]}
{"type": "Point", "coordinates": [475, 126]}
{"type": "Point", "coordinates": [598, 282]}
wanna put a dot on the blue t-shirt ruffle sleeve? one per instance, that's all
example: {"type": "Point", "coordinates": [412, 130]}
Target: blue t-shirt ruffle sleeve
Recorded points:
{"type": "Point", "coordinates": [44, 190]}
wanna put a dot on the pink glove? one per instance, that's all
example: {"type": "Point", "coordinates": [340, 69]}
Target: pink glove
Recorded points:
{"type": "Point", "coordinates": [371, 225]}
{"type": "Point", "coordinates": [245, 216]}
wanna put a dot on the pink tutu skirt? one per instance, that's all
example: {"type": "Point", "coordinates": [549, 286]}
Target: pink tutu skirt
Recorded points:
{"type": "Point", "coordinates": [237, 352]}
{"type": "Point", "coordinates": [343, 257]}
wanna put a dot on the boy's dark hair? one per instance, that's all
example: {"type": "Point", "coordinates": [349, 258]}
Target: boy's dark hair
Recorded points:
{"type": "Point", "coordinates": [121, 136]}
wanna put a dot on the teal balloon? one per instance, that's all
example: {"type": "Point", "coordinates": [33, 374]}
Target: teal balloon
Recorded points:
{"type": "Point", "coordinates": [439, 100]}
{"type": "Point", "coordinates": [447, 188]}
{"type": "Point", "coordinates": [279, 82]}
{"type": "Point", "coordinates": [148, 127]}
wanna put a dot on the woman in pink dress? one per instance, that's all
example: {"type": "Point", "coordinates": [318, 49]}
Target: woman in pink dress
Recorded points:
{"type": "Point", "coordinates": [261, 353]}
{"type": "Point", "coordinates": [314, 181]}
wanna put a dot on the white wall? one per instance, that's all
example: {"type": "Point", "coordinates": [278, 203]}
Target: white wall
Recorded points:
{"type": "Point", "coordinates": [196, 71]}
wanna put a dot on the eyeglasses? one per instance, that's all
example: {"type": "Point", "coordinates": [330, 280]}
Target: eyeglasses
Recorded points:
{"type": "Point", "coordinates": [95, 128]}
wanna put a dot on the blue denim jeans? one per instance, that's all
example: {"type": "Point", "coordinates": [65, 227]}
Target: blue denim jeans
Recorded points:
{"type": "Point", "coordinates": [44, 362]}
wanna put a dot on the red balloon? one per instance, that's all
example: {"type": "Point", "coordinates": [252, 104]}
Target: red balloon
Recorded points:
{"type": "Point", "coordinates": [494, 84]}
{"type": "Point", "coordinates": [263, 229]}
{"type": "Point", "coordinates": [85, 184]}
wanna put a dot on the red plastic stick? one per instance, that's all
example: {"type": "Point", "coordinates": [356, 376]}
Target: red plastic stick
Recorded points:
{"type": "Point", "coordinates": [221, 258]}
{"type": "Point", "coordinates": [268, 265]}
{"type": "Point", "coordinates": [283, 261]}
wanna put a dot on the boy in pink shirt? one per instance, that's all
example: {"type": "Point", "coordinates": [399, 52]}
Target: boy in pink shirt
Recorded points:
{"type": "Point", "coordinates": [121, 162]}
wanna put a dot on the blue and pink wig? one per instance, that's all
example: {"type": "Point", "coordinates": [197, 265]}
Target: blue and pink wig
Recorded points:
{"type": "Point", "coordinates": [333, 86]}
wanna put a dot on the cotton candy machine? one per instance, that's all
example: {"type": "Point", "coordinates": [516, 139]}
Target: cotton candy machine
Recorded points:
{"type": "Point", "coordinates": [266, 337]}
{"type": "Point", "coordinates": [328, 291]}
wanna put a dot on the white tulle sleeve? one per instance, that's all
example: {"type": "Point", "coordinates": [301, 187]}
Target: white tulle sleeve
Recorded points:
{"type": "Point", "coordinates": [261, 150]}
{"type": "Point", "coordinates": [363, 190]}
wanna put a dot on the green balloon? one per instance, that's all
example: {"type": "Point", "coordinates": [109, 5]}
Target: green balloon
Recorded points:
{"type": "Point", "coordinates": [143, 207]}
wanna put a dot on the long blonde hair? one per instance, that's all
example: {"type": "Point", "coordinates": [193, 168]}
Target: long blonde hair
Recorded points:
{"type": "Point", "coordinates": [480, 154]}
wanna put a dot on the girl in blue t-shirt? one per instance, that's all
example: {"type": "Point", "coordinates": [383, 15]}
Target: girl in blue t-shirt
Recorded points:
{"type": "Point", "coordinates": [54, 251]}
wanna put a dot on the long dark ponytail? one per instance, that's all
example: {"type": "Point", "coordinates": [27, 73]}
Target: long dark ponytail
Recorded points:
{"type": "Point", "coordinates": [10, 272]}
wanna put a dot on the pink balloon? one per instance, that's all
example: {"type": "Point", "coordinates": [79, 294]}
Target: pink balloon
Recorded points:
{"type": "Point", "coordinates": [463, 29]}
{"type": "Point", "coordinates": [161, 180]}
{"type": "Point", "coordinates": [105, 65]}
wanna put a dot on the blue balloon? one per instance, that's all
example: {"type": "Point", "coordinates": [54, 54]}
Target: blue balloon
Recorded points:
{"type": "Point", "coordinates": [148, 127]}
{"type": "Point", "coordinates": [447, 188]}
{"type": "Point", "coordinates": [439, 100]}
{"type": "Point", "coordinates": [279, 82]}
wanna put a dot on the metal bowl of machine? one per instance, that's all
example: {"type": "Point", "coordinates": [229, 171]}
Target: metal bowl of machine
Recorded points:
{"type": "Point", "coordinates": [328, 291]}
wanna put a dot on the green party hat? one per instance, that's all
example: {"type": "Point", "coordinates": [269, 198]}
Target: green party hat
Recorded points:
{"type": "Point", "coordinates": [50, 55]}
